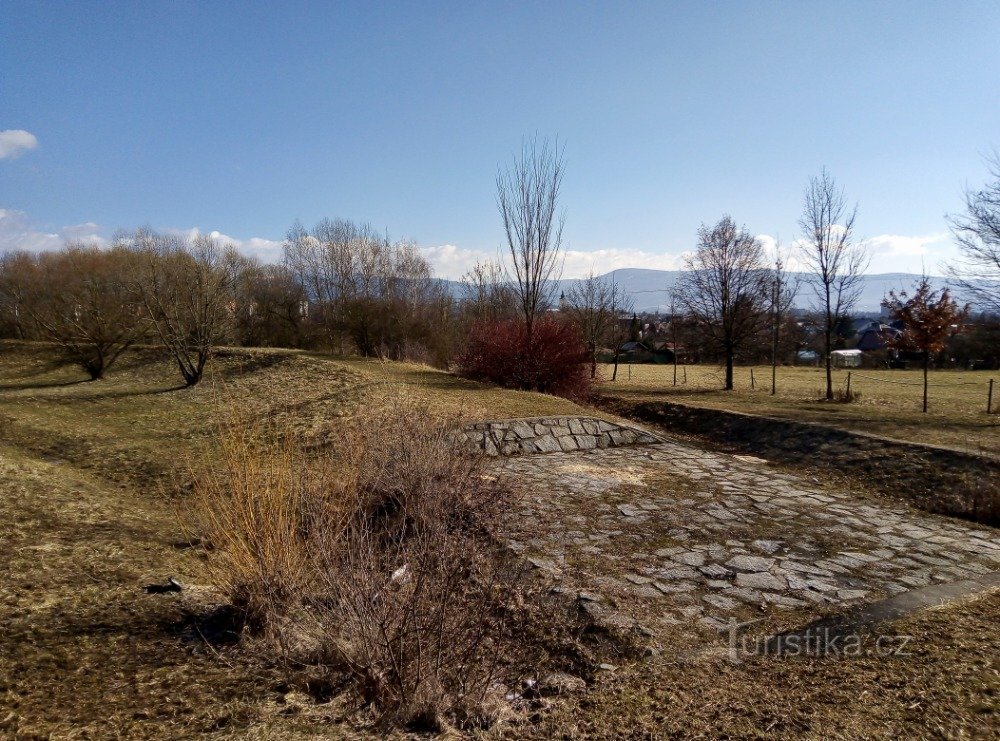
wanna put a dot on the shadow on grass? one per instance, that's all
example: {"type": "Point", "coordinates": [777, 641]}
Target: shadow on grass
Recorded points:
{"type": "Point", "coordinates": [127, 393]}
{"type": "Point", "coordinates": [40, 385]}
{"type": "Point", "coordinates": [217, 625]}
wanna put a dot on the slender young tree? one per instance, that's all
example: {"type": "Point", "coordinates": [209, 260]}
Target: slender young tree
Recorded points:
{"type": "Point", "coordinates": [784, 288]}
{"type": "Point", "coordinates": [837, 261]}
{"type": "Point", "coordinates": [977, 232]}
{"type": "Point", "coordinates": [724, 289]}
{"type": "Point", "coordinates": [590, 304]}
{"type": "Point", "coordinates": [928, 318]}
{"type": "Point", "coordinates": [619, 332]}
{"type": "Point", "coordinates": [488, 296]}
{"type": "Point", "coordinates": [528, 200]}
{"type": "Point", "coordinates": [673, 330]}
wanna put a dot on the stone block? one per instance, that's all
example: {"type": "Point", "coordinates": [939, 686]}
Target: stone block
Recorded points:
{"type": "Point", "coordinates": [567, 443]}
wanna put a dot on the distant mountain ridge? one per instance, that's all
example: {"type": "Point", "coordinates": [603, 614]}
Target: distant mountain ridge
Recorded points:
{"type": "Point", "coordinates": [650, 289]}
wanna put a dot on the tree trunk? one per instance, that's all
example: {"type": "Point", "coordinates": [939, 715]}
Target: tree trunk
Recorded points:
{"type": "Point", "coordinates": [927, 360]}
{"type": "Point", "coordinates": [614, 373]}
{"type": "Point", "coordinates": [729, 369]}
{"type": "Point", "coordinates": [829, 364]}
{"type": "Point", "coordinates": [774, 355]}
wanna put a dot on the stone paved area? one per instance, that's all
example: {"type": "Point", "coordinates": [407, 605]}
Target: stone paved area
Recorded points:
{"type": "Point", "coordinates": [551, 435]}
{"type": "Point", "coordinates": [669, 534]}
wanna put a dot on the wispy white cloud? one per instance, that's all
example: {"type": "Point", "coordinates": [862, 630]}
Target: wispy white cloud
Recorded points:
{"type": "Point", "coordinates": [453, 262]}
{"type": "Point", "coordinates": [890, 253]}
{"type": "Point", "coordinates": [265, 250]}
{"type": "Point", "coordinates": [17, 232]}
{"type": "Point", "coordinates": [15, 142]}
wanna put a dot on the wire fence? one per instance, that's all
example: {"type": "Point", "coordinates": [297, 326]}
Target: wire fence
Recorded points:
{"type": "Point", "coordinates": [951, 392]}
{"type": "Point", "coordinates": [954, 391]}
{"type": "Point", "coordinates": [915, 383]}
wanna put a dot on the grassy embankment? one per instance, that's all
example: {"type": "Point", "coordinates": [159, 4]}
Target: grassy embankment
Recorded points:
{"type": "Point", "coordinates": [91, 508]}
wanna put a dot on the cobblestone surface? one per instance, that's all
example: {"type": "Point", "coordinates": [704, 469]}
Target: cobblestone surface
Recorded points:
{"type": "Point", "coordinates": [551, 435]}
{"type": "Point", "coordinates": [670, 534]}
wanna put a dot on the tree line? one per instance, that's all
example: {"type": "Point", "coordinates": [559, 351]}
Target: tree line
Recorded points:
{"type": "Point", "coordinates": [340, 286]}
{"type": "Point", "coordinates": [347, 288]}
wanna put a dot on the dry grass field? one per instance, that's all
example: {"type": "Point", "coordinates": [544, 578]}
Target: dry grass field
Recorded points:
{"type": "Point", "coordinates": [93, 505]}
{"type": "Point", "coordinates": [888, 403]}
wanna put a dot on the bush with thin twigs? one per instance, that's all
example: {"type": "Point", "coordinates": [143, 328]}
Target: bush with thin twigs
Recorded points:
{"type": "Point", "coordinates": [382, 554]}
{"type": "Point", "coordinates": [552, 359]}
{"type": "Point", "coordinates": [251, 505]}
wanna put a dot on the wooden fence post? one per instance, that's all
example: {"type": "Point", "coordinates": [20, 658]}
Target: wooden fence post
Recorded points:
{"type": "Point", "coordinates": [989, 398]}
{"type": "Point", "coordinates": [848, 385]}
{"type": "Point", "coordinates": [753, 385]}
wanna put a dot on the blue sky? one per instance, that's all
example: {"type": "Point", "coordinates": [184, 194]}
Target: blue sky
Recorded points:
{"type": "Point", "coordinates": [242, 117]}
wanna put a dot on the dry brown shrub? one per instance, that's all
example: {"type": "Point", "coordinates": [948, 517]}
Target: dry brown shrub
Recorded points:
{"type": "Point", "coordinates": [381, 552]}
{"type": "Point", "coordinates": [250, 504]}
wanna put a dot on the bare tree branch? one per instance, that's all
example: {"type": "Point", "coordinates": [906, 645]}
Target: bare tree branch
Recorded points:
{"type": "Point", "coordinates": [528, 196]}
{"type": "Point", "coordinates": [831, 253]}
{"type": "Point", "coordinates": [724, 289]}
{"type": "Point", "coordinates": [977, 233]}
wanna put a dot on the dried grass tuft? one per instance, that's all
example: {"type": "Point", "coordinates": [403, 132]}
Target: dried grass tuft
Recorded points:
{"type": "Point", "coordinates": [381, 553]}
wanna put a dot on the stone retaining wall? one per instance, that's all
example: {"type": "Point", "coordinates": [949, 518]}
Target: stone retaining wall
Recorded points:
{"type": "Point", "coordinates": [552, 435]}
{"type": "Point", "coordinates": [938, 479]}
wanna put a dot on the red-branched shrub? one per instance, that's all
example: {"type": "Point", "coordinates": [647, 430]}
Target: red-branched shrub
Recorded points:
{"type": "Point", "coordinates": [553, 361]}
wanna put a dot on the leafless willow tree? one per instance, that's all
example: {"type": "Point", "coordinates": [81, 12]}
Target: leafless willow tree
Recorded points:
{"type": "Point", "coordinates": [592, 304]}
{"type": "Point", "coordinates": [75, 298]}
{"type": "Point", "coordinates": [188, 293]}
{"type": "Point", "coordinates": [977, 232]}
{"type": "Point", "coordinates": [271, 307]}
{"type": "Point", "coordinates": [724, 288]}
{"type": "Point", "coordinates": [528, 199]}
{"type": "Point", "coordinates": [364, 287]}
{"type": "Point", "coordinates": [831, 252]}
{"type": "Point", "coordinates": [487, 294]}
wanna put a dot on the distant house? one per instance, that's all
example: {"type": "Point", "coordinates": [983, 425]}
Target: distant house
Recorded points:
{"type": "Point", "coordinates": [633, 347]}
{"type": "Point", "coordinates": [665, 352]}
{"type": "Point", "coordinates": [846, 358]}
{"type": "Point", "coordinates": [877, 337]}
{"type": "Point", "coordinates": [807, 356]}
{"type": "Point", "coordinates": [646, 352]}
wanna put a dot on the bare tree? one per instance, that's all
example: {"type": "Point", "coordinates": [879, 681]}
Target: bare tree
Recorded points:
{"type": "Point", "coordinates": [488, 296]}
{"type": "Point", "coordinates": [784, 288]}
{"type": "Point", "coordinates": [364, 286]}
{"type": "Point", "coordinates": [977, 232]}
{"type": "Point", "coordinates": [270, 307]}
{"type": "Point", "coordinates": [75, 298]}
{"type": "Point", "coordinates": [591, 304]}
{"type": "Point", "coordinates": [724, 288]}
{"type": "Point", "coordinates": [673, 331]}
{"type": "Point", "coordinates": [528, 196]}
{"type": "Point", "coordinates": [188, 292]}
{"type": "Point", "coordinates": [829, 251]}
{"type": "Point", "coordinates": [620, 330]}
